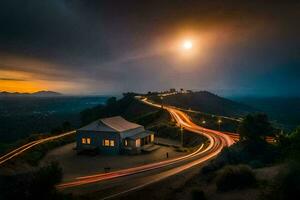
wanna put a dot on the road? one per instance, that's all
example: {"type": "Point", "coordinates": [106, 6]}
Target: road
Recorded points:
{"type": "Point", "coordinates": [120, 182]}
{"type": "Point", "coordinates": [135, 178]}
{"type": "Point", "coordinates": [30, 145]}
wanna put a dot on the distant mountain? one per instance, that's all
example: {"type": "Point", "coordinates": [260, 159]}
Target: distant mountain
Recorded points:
{"type": "Point", "coordinates": [282, 110]}
{"type": "Point", "coordinates": [35, 94]}
{"type": "Point", "coordinates": [46, 93]}
{"type": "Point", "coordinates": [207, 102]}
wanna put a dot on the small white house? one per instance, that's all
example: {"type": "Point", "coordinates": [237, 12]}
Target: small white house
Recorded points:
{"type": "Point", "coordinates": [113, 135]}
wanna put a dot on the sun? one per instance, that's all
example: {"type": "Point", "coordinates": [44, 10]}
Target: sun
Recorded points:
{"type": "Point", "coordinates": [187, 44]}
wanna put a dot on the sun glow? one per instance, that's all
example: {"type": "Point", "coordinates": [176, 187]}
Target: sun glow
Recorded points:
{"type": "Point", "coordinates": [187, 44]}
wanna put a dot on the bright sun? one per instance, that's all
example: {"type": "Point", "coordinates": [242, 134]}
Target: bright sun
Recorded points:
{"type": "Point", "coordinates": [187, 44]}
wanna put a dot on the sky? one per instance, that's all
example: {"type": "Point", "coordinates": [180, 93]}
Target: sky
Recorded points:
{"type": "Point", "coordinates": [109, 47]}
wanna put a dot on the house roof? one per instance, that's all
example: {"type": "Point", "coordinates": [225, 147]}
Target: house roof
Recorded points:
{"type": "Point", "coordinates": [140, 135]}
{"type": "Point", "coordinates": [119, 123]}
{"type": "Point", "coordinates": [111, 124]}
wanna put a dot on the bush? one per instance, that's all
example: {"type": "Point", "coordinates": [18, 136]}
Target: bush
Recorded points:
{"type": "Point", "coordinates": [286, 184]}
{"type": "Point", "coordinates": [39, 184]}
{"type": "Point", "coordinates": [198, 195]}
{"type": "Point", "coordinates": [254, 154]}
{"type": "Point", "coordinates": [235, 177]}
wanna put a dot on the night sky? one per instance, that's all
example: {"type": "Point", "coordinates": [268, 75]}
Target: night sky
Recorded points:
{"type": "Point", "coordinates": [109, 47]}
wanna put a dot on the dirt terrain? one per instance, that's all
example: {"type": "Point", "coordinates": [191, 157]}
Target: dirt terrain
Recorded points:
{"type": "Point", "coordinates": [81, 165]}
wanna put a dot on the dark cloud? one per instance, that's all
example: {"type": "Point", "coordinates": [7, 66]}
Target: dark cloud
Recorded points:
{"type": "Point", "coordinates": [11, 79]}
{"type": "Point", "coordinates": [254, 47]}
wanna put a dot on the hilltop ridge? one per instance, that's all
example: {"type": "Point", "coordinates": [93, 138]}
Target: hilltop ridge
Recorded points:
{"type": "Point", "coordinates": [205, 101]}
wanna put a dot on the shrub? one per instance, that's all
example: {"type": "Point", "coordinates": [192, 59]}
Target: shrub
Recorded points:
{"type": "Point", "coordinates": [286, 184]}
{"type": "Point", "coordinates": [39, 184]}
{"type": "Point", "coordinates": [254, 154]}
{"type": "Point", "coordinates": [235, 177]}
{"type": "Point", "coordinates": [198, 194]}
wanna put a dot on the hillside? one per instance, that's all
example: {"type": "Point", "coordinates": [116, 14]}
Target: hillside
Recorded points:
{"type": "Point", "coordinates": [284, 111]}
{"type": "Point", "coordinates": [22, 116]}
{"type": "Point", "coordinates": [128, 107]}
{"type": "Point", "coordinates": [206, 102]}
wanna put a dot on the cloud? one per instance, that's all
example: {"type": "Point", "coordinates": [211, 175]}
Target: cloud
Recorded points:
{"type": "Point", "coordinates": [118, 45]}
{"type": "Point", "coordinates": [11, 79]}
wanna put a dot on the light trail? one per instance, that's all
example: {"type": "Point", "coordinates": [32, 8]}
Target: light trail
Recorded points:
{"type": "Point", "coordinates": [30, 145]}
{"type": "Point", "coordinates": [217, 141]}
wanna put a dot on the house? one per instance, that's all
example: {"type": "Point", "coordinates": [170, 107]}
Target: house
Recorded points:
{"type": "Point", "coordinates": [113, 135]}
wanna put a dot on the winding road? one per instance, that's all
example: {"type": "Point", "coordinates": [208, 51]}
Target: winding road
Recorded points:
{"type": "Point", "coordinates": [147, 174]}
{"type": "Point", "coordinates": [119, 182]}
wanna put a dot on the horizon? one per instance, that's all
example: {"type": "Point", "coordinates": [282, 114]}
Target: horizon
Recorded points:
{"type": "Point", "coordinates": [119, 95]}
{"type": "Point", "coordinates": [149, 99]}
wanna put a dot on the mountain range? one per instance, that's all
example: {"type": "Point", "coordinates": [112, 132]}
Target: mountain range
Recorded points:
{"type": "Point", "coordinates": [42, 93]}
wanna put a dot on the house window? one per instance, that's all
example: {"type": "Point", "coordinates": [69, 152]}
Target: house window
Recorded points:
{"type": "Point", "coordinates": [137, 142]}
{"type": "Point", "coordinates": [126, 143]}
{"type": "Point", "coordinates": [108, 143]}
{"type": "Point", "coordinates": [112, 143]}
{"type": "Point", "coordinates": [88, 140]}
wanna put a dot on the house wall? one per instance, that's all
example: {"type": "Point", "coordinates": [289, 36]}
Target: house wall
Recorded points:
{"type": "Point", "coordinates": [97, 139]}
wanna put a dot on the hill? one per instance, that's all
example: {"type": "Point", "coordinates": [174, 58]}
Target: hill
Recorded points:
{"type": "Point", "coordinates": [205, 102]}
{"type": "Point", "coordinates": [284, 111]}
{"type": "Point", "coordinates": [128, 107]}
{"type": "Point", "coordinates": [46, 93]}
{"type": "Point", "coordinates": [35, 94]}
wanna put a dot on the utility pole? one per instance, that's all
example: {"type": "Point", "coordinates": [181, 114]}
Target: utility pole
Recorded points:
{"type": "Point", "coordinates": [181, 131]}
{"type": "Point", "coordinates": [219, 122]}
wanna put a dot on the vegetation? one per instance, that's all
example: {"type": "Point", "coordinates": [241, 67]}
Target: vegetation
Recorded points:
{"type": "Point", "coordinates": [198, 195]}
{"type": "Point", "coordinates": [212, 122]}
{"type": "Point", "coordinates": [252, 149]}
{"type": "Point", "coordinates": [255, 127]}
{"type": "Point", "coordinates": [27, 118]}
{"type": "Point", "coordinates": [235, 177]}
{"type": "Point", "coordinates": [286, 184]}
{"type": "Point", "coordinates": [34, 155]}
{"type": "Point", "coordinates": [155, 119]}
{"type": "Point", "coordinates": [127, 107]}
{"type": "Point", "coordinates": [33, 185]}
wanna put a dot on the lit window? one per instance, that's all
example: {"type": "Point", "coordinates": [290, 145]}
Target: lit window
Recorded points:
{"type": "Point", "coordinates": [106, 143]}
{"type": "Point", "coordinates": [88, 140]}
{"type": "Point", "coordinates": [125, 142]}
{"type": "Point", "coordinates": [152, 137]}
{"type": "Point", "coordinates": [83, 140]}
{"type": "Point", "coordinates": [138, 143]}
{"type": "Point", "coordinates": [112, 143]}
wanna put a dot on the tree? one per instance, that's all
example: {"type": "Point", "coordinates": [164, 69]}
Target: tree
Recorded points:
{"type": "Point", "coordinates": [255, 127]}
